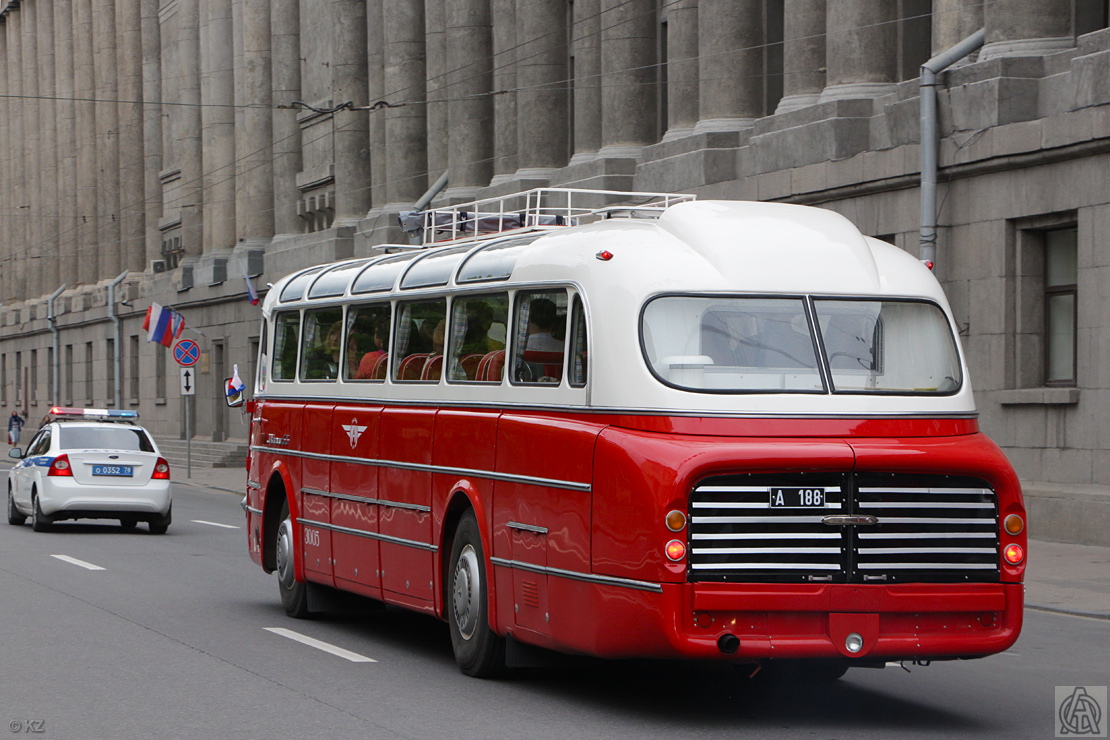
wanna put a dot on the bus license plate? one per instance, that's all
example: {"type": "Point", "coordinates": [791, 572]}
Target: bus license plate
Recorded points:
{"type": "Point", "coordinates": [797, 498]}
{"type": "Point", "coordinates": [122, 470]}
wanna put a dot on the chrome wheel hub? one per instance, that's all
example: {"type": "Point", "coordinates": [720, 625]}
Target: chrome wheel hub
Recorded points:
{"type": "Point", "coordinates": [467, 592]}
{"type": "Point", "coordinates": [284, 553]}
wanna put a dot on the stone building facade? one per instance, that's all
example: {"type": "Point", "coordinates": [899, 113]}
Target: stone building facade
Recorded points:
{"type": "Point", "coordinates": [160, 150]}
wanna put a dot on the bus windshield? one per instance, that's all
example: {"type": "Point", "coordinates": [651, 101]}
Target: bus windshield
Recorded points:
{"type": "Point", "coordinates": [771, 345]}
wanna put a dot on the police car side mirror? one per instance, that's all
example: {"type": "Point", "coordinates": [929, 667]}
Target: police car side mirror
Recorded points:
{"type": "Point", "coordinates": [235, 396]}
{"type": "Point", "coordinates": [16, 453]}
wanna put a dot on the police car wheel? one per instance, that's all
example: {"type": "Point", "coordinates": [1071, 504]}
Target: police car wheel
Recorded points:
{"type": "Point", "coordinates": [39, 522]}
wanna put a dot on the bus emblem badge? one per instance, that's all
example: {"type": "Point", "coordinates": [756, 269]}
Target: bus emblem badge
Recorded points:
{"type": "Point", "coordinates": [354, 431]}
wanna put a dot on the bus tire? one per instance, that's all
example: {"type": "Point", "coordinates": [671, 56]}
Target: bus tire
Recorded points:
{"type": "Point", "coordinates": [294, 593]}
{"type": "Point", "coordinates": [479, 651]}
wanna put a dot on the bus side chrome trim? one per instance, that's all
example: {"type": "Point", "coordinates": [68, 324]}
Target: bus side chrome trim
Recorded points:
{"type": "Point", "coordinates": [252, 510]}
{"type": "Point", "coordinates": [254, 484]}
{"type": "Point", "coordinates": [420, 467]}
{"type": "Point", "coordinates": [364, 500]}
{"type": "Point", "coordinates": [369, 535]}
{"type": "Point", "coordinates": [577, 576]}
{"type": "Point", "coordinates": [527, 527]}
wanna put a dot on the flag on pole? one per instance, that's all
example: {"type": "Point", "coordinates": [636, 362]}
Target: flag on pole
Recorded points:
{"type": "Point", "coordinates": [163, 325]}
{"type": "Point", "coordinates": [252, 294]}
{"type": "Point", "coordinates": [236, 385]}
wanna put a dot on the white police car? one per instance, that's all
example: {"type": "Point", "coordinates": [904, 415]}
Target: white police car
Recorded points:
{"type": "Point", "coordinates": [90, 464]}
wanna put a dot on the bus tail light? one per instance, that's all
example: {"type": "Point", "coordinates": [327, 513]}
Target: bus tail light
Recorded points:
{"type": "Point", "coordinates": [161, 470]}
{"type": "Point", "coordinates": [676, 550]}
{"type": "Point", "coordinates": [1013, 524]}
{"type": "Point", "coordinates": [1013, 554]}
{"type": "Point", "coordinates": [61, 467]}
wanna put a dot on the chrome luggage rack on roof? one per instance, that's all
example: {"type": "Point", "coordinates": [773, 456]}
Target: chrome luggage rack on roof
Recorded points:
{"type": "Point", "coordinates": [540, 208]}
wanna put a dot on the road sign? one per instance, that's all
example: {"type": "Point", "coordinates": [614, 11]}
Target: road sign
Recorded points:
{"type": "Point", "coordinates": [186, 353]}
{"type": "Point", "coordinates": [188, 381]}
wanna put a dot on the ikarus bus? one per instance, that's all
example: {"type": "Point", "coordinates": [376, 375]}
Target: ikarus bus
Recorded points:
{"type": "Point", "coordinates": [630, 424]}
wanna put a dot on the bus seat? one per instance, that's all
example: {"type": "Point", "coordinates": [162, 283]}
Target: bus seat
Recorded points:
{"type": "Point", "coordinates": [550, 364]}
{"type": "Point", "coordinates": [380, 367]}
{"type": "Point", "coordinates": [412, 366]}
{"type": "Point", "coordinates": [433, 368]}
{"type": "Point", "coordinates": [492, 366]}
{"type": "Point", "coordinates": [469, 365]}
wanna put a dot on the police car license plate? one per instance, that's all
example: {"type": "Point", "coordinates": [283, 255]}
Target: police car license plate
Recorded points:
{"type": "Point", "coordinates": [121, 470]}
{"type": "Point", "coordinates": [797, 498]}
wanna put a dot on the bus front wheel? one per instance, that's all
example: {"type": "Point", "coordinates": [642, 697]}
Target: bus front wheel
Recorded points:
{"type": "Point", "coordinates": [479, 651]}
{"type": "Point", "coordinates": [294, 593]}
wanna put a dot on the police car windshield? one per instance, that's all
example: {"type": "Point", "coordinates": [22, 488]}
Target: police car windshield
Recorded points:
{"type": "Point", "coordinates": [104, 438]}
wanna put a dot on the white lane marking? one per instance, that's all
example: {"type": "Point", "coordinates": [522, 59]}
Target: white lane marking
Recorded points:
{"type": "Point", "coordinates": [75, 561]}
{"type": "Point", "coordinates": [215, 524]}
{"type": "Point", "coordinates": [313, 642]}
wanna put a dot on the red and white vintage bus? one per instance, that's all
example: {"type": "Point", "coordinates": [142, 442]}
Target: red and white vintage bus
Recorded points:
{"type": "Point", "coordinates": [710, 430]}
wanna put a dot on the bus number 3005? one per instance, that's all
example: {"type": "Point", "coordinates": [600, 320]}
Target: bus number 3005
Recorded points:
{"type": "Point", "coordinates": [798, 498]}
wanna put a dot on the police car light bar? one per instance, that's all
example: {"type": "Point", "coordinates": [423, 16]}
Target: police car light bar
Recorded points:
{"type": "Point", "coordinates": [76, 413]}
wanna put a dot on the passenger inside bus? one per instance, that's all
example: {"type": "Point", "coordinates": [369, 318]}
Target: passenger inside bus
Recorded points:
{"type": "Point", "coordinates": [322, 361]}
{"type": "Point", "coordinates": [379, 343]}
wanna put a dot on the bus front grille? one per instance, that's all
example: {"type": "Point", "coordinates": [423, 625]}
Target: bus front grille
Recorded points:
{"type": "Point", "coordinates": [843, 528]}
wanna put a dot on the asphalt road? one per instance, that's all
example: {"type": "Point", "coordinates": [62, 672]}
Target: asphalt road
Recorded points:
{"type": "Point", "coordinates": [172, 639]}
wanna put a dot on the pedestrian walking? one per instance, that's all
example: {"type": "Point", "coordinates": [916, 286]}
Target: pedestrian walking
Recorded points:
{"type": "Point", "coordinates": [15, 426]}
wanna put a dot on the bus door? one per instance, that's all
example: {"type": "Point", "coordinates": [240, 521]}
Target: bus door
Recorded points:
{"type": "Point", "coordinates": [405, 498]}
{"type": "Point", "coordinates": [354, 486]}
{"type": "Point", "coordinates": [314, 490]}
{"type": "Point", "coordinates": [543, 523]}
{"type": "Point", "coordinates": [272, 429]}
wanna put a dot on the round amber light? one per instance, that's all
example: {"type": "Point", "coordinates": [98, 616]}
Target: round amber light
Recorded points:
{"type": "Point", "coordinates": [676, 521]}
{"type": "Point", "coordinates": [676, 550]}
{"type": "Point", "coordinates": [1014, 524]}
{"type": "Point", "coordinates": [1013, 554]}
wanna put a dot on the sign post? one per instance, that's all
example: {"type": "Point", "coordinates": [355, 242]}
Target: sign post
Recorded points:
{"type": "Point", "coordinates": [188, 388]}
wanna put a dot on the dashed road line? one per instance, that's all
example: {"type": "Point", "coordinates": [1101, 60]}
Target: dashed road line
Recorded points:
{"type": "Point", "coordinates": [215, 524]}
{"type": "Point", "coordinates": [75, 561]}
{"type": "Point", "coordinates": [320, 645]}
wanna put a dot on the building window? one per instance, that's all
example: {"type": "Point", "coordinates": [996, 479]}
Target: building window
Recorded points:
{"type": "Point", "coordinates": [89, 397]}
{"type": "Point", "coordinates": [110, 375]}
{"type": "Point", "coordinates": [133, 368]}
{"type": "Point", "coordinates": [160, 375]}
{"type": "Point", "coordinates": [68, 392]}
{"type": "Point", "coordinates": [3, 380]}
{"type": "Point", "coordinates": [1060, 324]}
{"type": "Point", "coordinates": [33, 383]}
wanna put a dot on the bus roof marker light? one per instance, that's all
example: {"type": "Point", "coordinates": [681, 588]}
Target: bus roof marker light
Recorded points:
{"type": "Point", "coordinates": [604, 255]}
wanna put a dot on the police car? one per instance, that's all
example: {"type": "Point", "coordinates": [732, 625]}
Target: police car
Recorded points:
{"type": "Point", "coordinates": [90, 464]}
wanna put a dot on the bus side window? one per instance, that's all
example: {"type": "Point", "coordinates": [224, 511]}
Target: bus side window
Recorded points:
{"type": "Point", "coordinates": [367, 342]}
{"type": "Point", "coordinates": [578, 345]}
{"type": "Point", "coordinates": [322, 344]}
{"type": "Point", "coordinates": [286, 345]}
{"type": "Point", "coordinates": [478, 328]}
{"type": "Point", "coordinates": [539, 338]}
{"type": "Point", "coordinates": [419, 332]}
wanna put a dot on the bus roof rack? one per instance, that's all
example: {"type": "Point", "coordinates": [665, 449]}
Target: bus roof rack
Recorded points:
{"type": "Point", "coordinates": [540, 208]}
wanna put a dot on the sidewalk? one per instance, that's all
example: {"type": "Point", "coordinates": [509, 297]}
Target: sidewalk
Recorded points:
{"type": "Point", "coordinates": [1064, 578]}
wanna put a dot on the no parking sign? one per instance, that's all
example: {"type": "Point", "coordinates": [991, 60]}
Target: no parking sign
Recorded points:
{"type": "Point", "coordinates": [186, 352]}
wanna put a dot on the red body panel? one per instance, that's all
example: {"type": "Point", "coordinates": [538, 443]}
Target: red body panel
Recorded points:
{"type": "Point", "coordinates": [572, 511]}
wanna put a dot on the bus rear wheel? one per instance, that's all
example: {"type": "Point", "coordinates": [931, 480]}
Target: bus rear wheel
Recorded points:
{"type": "Point", "coordinates": [479, 651]}
{"type": "Point", "coordinates": [294, 593]}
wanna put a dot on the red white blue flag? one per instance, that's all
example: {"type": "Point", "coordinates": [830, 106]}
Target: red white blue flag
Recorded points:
{"type": "Point", "coordinates": [163, 325]}
{"type": "Point", "coordinates": [252, 294]}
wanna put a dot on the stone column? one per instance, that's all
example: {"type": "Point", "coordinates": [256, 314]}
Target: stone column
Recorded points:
{"type": "Point", "coordinates": [217, 96]}
{"type": "Point", "coordinates": [107, 139]}
{"type": "Point", "coordinates": [187, 128]}
{"type": "Point", "coordinates": [682, 67]}
{"type": "Point", "coordinates": [406, 130]}
{"type": "Point", "coordinates": [88, 267]}
{"type": "Point", "coordinates": [66, 126]}
{"type": "Point", "coordinates": [285, 50]}
{"type": "Point", "coordinates": [1027, 27]}
{"type": "Point", "coordinates": [151, 40]}
{"type": "Point", "coordinates": [469, 107]}
{"type": "Point", "coordinates": [435, 24]}
{"type": "Point", "coordinates": [32, 206]}
{"type": "Point", "coordinates": [503, 16]}
{"type": "Point", "coordinates": [542, 104]}
{"type": "Point", "coordinates": [803, 54]}
{"type": "Point", "coordinates": [731, 63]}
{"type": "Point", "coordinates": [254, 138]}
{"type": "Point", "coordinates": [352, 128]}
{"type": "Point", "coordinates": [7, 252]}
{"type": "Point", "coordinates": [861, 49]}
{"type": "Point", "coordinates": [628, 113]}
{"type": "Point", "coordinates": [586, 48]}
{"type": "Point", "coordinates": [50, 158]}
{"type": "Point", "coordinates": [953, 21]}
{"type": "Point", "coordinates": [375, 82]}
{"type": "Point", "coordinates": [129, 59]}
